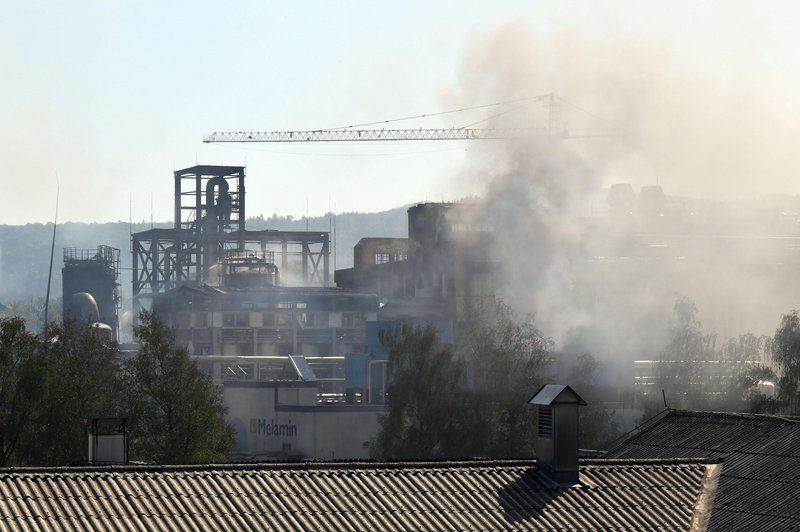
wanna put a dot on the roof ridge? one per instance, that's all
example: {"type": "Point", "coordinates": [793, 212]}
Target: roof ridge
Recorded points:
{"type": "Point", "coordinates": [693, 413]}
{"type": "Point", "coordinates": [689, 460]}
{"type": "Point", "coordinates": [337, 465]}
{"type": "Point", "coordinates": [271, 465]}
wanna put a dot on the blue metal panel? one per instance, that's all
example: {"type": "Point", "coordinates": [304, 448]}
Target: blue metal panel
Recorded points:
{"type": "Point", "coordinates": [355, 370]}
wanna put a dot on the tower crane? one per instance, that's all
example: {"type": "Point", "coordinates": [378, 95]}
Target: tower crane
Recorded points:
{"type": "Point", "coordinates": [348, 134]}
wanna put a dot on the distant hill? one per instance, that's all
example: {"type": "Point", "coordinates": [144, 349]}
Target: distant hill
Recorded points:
{"type": "Point", "coordinates": [25, 249]}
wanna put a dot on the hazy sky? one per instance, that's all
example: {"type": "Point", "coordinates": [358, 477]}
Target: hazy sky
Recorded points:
{"type": "Point", "coordinates": [108, 98]}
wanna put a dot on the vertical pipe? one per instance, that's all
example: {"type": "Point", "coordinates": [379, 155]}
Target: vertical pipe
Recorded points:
{"type": "Point", "coordinates": [52, 252]}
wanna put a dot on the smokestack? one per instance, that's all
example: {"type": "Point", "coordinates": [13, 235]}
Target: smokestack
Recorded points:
{"type": "Point", "coordinates": [557, 432]}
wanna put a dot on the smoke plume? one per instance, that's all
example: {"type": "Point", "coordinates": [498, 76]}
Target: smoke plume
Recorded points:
{"type": "Point", "coordinates": [605, 282]}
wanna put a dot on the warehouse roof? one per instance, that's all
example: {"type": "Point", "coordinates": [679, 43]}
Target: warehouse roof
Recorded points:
{"type": "Point", "coordinates": [760, 482]}
{"type": "Point", "coordinates": [621, 494]}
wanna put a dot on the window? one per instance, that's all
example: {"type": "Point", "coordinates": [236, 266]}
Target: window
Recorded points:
{"type": "Point", "coordinates": [183, 320]}
{"type": "Point", "coordinates": [352, 320]}
{"type": "Point", "coordinates": [235, 319]}
{"type": "Point", "coordinates": [470, 228]}
{"type": "Point", "coordinates": [201, 319]}
{"type": "Point", "coordinates": [381, 258]}
{"type": "Point", "coordinates": [283, 319]}
{"type": "Point", "coordinates": [314, 320]}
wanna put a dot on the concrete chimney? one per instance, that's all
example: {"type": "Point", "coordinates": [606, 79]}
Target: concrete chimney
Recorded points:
{"type": "Point", "coordinates": [557, 431]}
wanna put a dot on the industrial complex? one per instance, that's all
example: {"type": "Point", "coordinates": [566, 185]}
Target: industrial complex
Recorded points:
{"type": "Point", "coordinates": [298, 359]}
{"type": "Point", "coordinates": [295, 347]}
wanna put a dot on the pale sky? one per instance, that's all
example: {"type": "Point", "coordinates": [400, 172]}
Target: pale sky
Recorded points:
{"type": "Point", "coordinates": [108, 98]}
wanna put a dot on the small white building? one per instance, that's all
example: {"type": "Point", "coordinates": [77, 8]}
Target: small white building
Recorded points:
{"type": "Point", "coordinates": [293, 407]}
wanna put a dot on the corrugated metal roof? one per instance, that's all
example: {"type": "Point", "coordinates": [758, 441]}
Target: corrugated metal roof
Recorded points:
{"type": "Point", "coordinates": [631, 495]}
{"type": "Point", "coordinates": [759, 486]}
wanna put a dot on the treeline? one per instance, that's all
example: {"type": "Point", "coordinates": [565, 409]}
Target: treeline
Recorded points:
{"type": "Point", "coordinates": [52, 383]}
{"type": "Point", "coordinates": [748, 373]}
{"type": "Point", "coordinates": [25, 249]}
{"type": "Point", "coordinates": [448, 403]}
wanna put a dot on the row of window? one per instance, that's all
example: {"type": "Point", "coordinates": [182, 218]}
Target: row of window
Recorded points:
{"type": "Point", "coordinates": [383, 258]}
{"type": "Point", "coordinates": [305, 319]}
{"type": "Point", "coordinates": [472, 228]}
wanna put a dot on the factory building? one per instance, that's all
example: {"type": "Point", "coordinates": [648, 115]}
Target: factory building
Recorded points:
{"type": "Point", "coordinates": [256, 310]}
{"type": "Point", "coordinates": [435, 273]}
{"type": "Point", "coordinates": [232, 321]}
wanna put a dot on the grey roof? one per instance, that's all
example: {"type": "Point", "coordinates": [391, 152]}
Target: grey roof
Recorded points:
{"type": "Point", "coordinates": [556, 394]}
{"type": "Point", "coordinates": [759, 486]}
{"type": "Point", "coordinates": [618, 494]}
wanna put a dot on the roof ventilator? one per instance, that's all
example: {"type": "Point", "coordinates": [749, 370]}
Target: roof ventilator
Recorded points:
{"type": "Point", "coordinates": [557, 432]}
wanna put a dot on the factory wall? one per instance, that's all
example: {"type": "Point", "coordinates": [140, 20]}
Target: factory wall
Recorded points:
{"type": "Point", "coordinates": [280, 420]}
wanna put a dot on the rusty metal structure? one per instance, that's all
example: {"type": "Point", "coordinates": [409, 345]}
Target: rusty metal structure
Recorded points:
{"type": "Point", "coordinates": [210, 228]}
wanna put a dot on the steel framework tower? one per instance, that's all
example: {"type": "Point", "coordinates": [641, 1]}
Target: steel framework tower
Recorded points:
{"type": "Point", "coordinates": [209, 227]}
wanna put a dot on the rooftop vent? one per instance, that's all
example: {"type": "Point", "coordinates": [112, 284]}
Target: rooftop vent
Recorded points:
{"type": "Point", "coordinates": [108, 440]}
{"type": "Point", "coordinates": [557, 431]}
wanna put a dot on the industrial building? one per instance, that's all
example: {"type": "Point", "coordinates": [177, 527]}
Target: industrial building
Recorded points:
{"type": "Point", "coordinates": [256, 310]}
{"type": "Point", "coordinates": [209, 243]}
{"type": "Point", "coordinates": [436, 273]}
{"type": "Point", "coordinates": [90, 284]}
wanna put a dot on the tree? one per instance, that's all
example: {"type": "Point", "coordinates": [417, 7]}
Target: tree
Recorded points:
{"type": "Point", "coordinates": [786, 355]}
{"type": "Point", "coordinates": [178, 415]}
{"type": "Point", "coordinates": [747, 395]}
{"type": "Point", "coordinates": [745, 356]}
{"type": "Point", "coordinates": [595, 426]}
{"type": "Point", "coordinates": [426, 398]}
{"type": "Point", "coordinates": [681, 368]}
{"type": "Point", "coordinates": [32, 312]}
{"type": "Point", "coordinates": [510, 359]}
{"type": "Point", "coordinates": [82, 383]}
{"type": "Point", "coordinates": [22, 381]}
{"type": "Point", "coordinates": [747, 347]}
{"type": "Point", "coordinates": [472, 402]}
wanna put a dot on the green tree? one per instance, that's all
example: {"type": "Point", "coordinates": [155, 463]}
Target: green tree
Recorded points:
{"type": "Point", "coordinates": [747, 348]}
{"type": "Point", "coordinates": [426, 398]}
{"type": "Point", "coordinates": [22, 383]}
{"type": "Point", "coordinates": [746, 395]}
{"type": "Point", "coordinates": [510, 360]}
{"type": "Point", "coordinates": [681, 369]}
{"type": "Point", "coordinates": [595, 426]}
{"type": "Point", "coordinates": [177, 414]}
{"type": "Point", "coordinates": [786, 355]}
{"type": "Point", "coordinates": [82, 383]}
{"type": "Point", "coordinates": [745, 356]}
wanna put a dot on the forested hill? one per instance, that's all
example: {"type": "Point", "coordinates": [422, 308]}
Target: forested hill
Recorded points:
{"type": "Point", "coordinates": [25, 249]}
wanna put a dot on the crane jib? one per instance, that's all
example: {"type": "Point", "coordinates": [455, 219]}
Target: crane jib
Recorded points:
{"type": "Point", "coordinates": [361, 135]}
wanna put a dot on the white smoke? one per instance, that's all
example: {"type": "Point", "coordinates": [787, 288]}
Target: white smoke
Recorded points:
{"type": "Point", "coordinates": [693, 137]}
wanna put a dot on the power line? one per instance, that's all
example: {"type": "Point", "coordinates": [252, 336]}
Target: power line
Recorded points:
{"type": "Point", "coordinates": [528, 99]}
